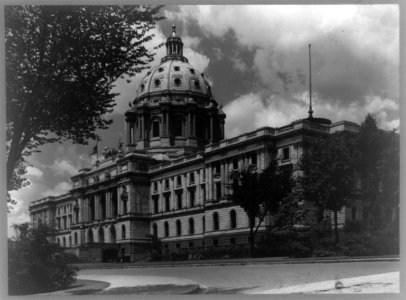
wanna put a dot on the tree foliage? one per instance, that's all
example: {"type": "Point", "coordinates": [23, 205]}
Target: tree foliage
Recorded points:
{"type": "Point", "coordinates": [377, 164]}
{"type": "Point", "coordinates": [259, 194]}
{"type": "Point", "coordinates": [35, 264]}
{"type": "Point", "coordinates": [328, 174]}
{"type": "Point", "coordinates": [61, 65]}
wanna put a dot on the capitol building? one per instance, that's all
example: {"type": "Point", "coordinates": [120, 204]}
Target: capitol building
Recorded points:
{"type": "Point", "coordinates": [171, 179]}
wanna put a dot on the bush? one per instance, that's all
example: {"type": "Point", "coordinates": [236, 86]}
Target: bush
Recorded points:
{"type": "Point", "coordinates": [35, 265]}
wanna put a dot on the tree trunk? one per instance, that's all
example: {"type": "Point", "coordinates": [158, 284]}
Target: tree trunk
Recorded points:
{"type": "Point", "coordinates": [12, 158]}
{"type": "Point", "coordinates": [251, 239]}
{"type": "Point", "coordinates": [336, 226]}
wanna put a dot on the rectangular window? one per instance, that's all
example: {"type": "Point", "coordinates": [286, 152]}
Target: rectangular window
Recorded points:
{"type": "Point", "coordinates": [204, 192]}
{"type": "Point", "coordinates": [286, 153]}
{"type": "Point", "coordinates": [166, 184]}
{"type": "Point", "coordinates": [179, 180]}
{"type": "Point", "coordinates": [155, 186]}
{"type": "Point", "coordinates": [254, 159]}
{"type": "Point", "coordinates": [354, 213]}
{"type": "Point", "coordinates": [167, 202]}
{"type": "Point", "coordinates": [192, 178]}
{"type": "Point", "coordinates": [179, 200]}
{"type": "Point", "coordinates": [156, 205]}
{"type": "Point", "coordinates": [217, 169]}
{"type": "Point", "coordinates": [192, 197]}
{"type": "Point", "coordinates": [235, 163]}
{"type": "Point", "coordinates": [218, 190]}
{"type": "Point", "coordinates": [203, 174]}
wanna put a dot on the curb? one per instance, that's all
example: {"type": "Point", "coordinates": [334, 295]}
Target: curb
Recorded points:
{"type": "Point", "coordinates": [242, 263]}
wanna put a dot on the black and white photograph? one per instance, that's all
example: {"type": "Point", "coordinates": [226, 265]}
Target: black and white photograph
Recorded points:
{"type": "Point", "coordinates": [202, 149]}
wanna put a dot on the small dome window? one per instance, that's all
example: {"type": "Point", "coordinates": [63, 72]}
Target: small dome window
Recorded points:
{"type": "Point", "coordinates": [177, 81]}
{"type": "Point", "coordinates": [192, 71]}
{"type": "Point", "coordinates": [161, 69]}
{"type": "Point", "coordinates": [197, 84]}
{"type": "Point", "coordinates": [157, 82]}
{"type": "Point", "coordinates": [176, 68]}
{"type": "Point", "coordinates": [142, 87]}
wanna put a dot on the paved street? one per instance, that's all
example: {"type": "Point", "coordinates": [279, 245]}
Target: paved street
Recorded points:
{"type": "Point", "coordinates": [255, 278]}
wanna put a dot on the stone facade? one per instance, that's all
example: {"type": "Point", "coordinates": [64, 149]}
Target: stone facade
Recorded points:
{"type": "Point", "coordinates": [173, 180]}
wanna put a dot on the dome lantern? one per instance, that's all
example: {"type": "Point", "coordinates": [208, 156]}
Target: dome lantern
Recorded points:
{"type": "Point", "coordinates": [174, 47]}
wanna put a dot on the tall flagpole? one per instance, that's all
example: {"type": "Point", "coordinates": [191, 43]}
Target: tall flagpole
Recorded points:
{"type": "Point", "coordinates": [310, 85]}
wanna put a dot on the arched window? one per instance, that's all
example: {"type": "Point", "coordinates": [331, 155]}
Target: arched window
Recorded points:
{"type": "Point", "coordinates": [204, 224]}
{"type": "Point", "coordinates": [191, 226]}
{"type": "Point", "coordinates": [76, 238]}
{"type": "Point", "coordinates": [112, 234]}
{"type": "Point", "coordinates": [166, 228]}
{"type": "Point", "coordinates": [101, 235]}
{"type": "Point", "coordinates": [177, 126]}
{"type": "Point", "coordinates": [178, 227]}
{"type": "Point", "coordinates": [155, 128]}
{"type": "Point", "coordinates": [215, 221]}
{"type": "Point", "coordinates": [233, 219]}
{"type": "Point", "coordinates": [154, 230]}
{"type": "Point", "coordinates": [123, 232]}
{"type": "Point", "coordinates": [90, 236]}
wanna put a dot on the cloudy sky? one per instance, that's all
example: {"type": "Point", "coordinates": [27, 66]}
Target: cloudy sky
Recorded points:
{"type": "Point", "coordinates": [256, 58]}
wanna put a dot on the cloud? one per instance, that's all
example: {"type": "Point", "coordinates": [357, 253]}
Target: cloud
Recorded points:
{"type": "Point", "coordinates": [251, 111]}
{"type": "Point", "coordinates": [353, 73]}
{"type": "Point", "coordinates": [59, 189]}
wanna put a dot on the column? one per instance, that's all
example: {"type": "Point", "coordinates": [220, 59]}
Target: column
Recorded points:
{"type": "Point", "coordinates": [117, 191]}
{"type": "Point", "coordinates": [188, 133]}
{"type": "Point", "coordinates": [97, 206]}
{"type": "Point", "coordinates": [211, 128]}
{"type": "Point", "coordinates": [222, 173]}
{"type": "Point", "coordinates": [128, 132]}
{"type": "Point", "coordinates": [210, 182]}
{"type": "Point", "coordinates": [194, 124]}
{"type": "Point", "coordinates": [226, 177]}
{"type": "Point", "coordinates": [134, 132]}
{"type": "Point", "coordinates": [108, 205]}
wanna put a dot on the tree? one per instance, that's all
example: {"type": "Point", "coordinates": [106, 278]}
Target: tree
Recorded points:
{"type": "Point", "coordinates": [35, 264]}
{"type": "Point", "coordinates": [389, 168]}
{"type": "Point", "coordinates": [377, 165]}
{"type": "Point", "coordinates": [259, 194]}
{"type": "Point", "coordinates": [61, 65]}
{"type": "Point", "coordinates": [328, 174]}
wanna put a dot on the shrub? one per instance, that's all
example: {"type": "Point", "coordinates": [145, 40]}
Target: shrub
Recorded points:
{"type": "Point", "coordinates": [35, 265]}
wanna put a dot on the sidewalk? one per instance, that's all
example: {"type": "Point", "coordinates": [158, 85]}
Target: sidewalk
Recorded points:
{"type": "Point", "coordinates": [156, 285]}
{"type": "Point", "coordinates": [378, 283]}
{"type": "Point", "coordinates": [127, 285]}
{"type": "Point", "coordinates": [236, 261]}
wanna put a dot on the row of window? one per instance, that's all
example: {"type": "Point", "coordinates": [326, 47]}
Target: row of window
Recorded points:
{"type": "Point", "coordinates": [65, 208]}
{"type": "Point", "coordinates": [190, 175]}
{"type": "Point", "coordinates": [90, 238]}
{"type": "Point", "coordinates": [191, 224]}
{"type": "Point", "coordinates": [175, 68]}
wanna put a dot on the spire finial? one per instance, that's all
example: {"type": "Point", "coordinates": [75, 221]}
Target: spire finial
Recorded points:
{"type": "Point", "coordinates": [173, 30]}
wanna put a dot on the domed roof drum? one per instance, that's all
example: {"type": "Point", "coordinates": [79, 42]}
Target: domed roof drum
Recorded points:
{"type": "Point", "coordinates": [174, 74]}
